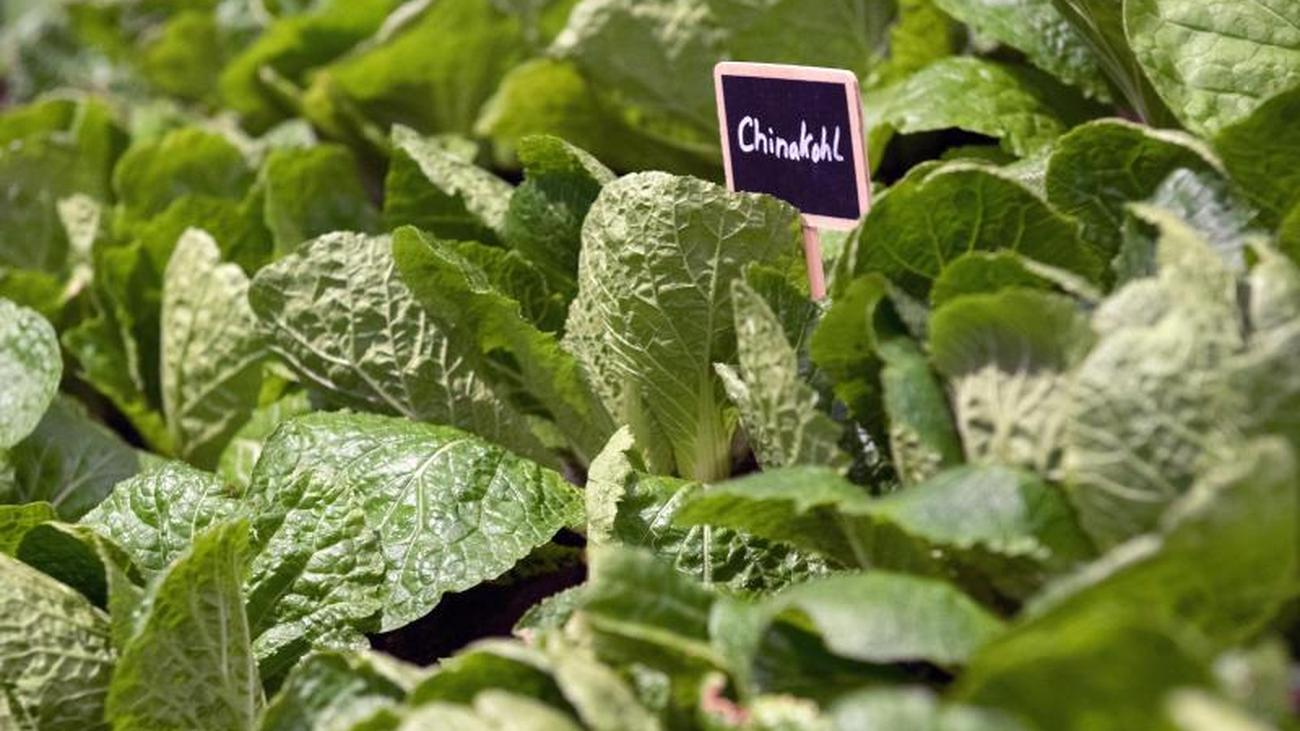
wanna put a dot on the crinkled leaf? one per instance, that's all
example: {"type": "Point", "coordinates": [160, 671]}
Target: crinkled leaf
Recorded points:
{"type": "Point", "coordinates": [55, 655]}
{"type": "Point", "coordinates": [190, 664]}
{"type": "Point", "coordinates": [240, 455]}
{"type": "Point", "coordinates": [1215, 63]}
{"type": "Point", "coordinates": [518, 359]}
{"type": "Point", "coordinates": [923, 437]}
{"type": "Point", "coordinates": [187, 161]}
{"type": "Point", "coordinates": [16, 520]}
{"type": "Point", "coordinates": [30, 367]}
{"type": "Point", "coordinates": [779, 411]}
{"type": "Point", "coordinates": [451, 510]}
{"type": "Point", "coordinates": [1038, 29]}
{"type": "Point", "coordinates": [432, 189]}
{"type": "Point", "coordinates": [1007, 358]}
{"type": "Point", "coordinates": [1100, 167]}
{"type": "Point", "coordinates": [654, 313]}
{"type": "Point", "coordinates": [212, 351]}
{"type": "Point", "coordinates": [344, 321]}
{"type": "Point", "coordinates": [156, 515]}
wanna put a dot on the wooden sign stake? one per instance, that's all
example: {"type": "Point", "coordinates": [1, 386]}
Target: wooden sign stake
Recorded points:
{"type": "Point", "coordinates": [812, 254]}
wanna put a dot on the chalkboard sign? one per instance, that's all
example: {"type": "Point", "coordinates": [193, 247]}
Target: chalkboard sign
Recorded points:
{"type": "Point", "coordinates": [795, 132]}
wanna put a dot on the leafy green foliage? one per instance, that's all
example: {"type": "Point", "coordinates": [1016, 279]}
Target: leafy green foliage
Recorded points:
{"type": "Point", "coordinates": [334, 332]}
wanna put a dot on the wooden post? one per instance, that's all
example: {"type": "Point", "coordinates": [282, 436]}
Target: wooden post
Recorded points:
{"type": "Point", "coordinates": [812, 252]}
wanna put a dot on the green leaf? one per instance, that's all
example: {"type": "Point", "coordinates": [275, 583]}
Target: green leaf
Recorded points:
{"type": "Point", "coordinates": [1022, 107]}
{"type": "Point", "coordinates": [1097, 169]}
{"type": "Point", "coordinates": [544, 221]}
{"type": "Point", "coordinates": [16, 520]}
{"type": "Point", "coordinates": [546, 96]}
{"type": "Point", "coordinates": [212, 351]}
{"type": "Point", "coordinates": [981, 272]}
{"type": "Point", "coordinates": [240, 455]}
{"type": "Point", "coordinates": [288, 49]}
{"type": "Point", "coordinates": [1007, 358]}
{"type": "Point", "coordinates": [844, 344]}
{"type": "Point", "coordinates": [1220, 561]}
{"type": "Point", "coordinates": [923, 438]}
{"type": "Point", "coordinates": [1101, 23]}
{"type": "Point", "coordinates": [880, 617]}
{"type": "Point", "coordinates": [675, 243]}
{"type": "Point", "coordinates": [432, 189]}
{"type": "Point", "coordinates": [331, 690]}
{"type": "Point", "coordinates": [1262, 151]}
{"type": "Point", "coordinates": [184, 56]}
{"type": "Point", "coordinates": [82, 559]}
{"type": "Point", "coordinates": [340, 316]}
{"type": "Point", "coordinates": [1038, 29]}
{"type": "Point", "coordinates": [921, 35]}
{"type": "Point", "coordinates": [544, 303]}
{"type": "Point", "coordinates": [1005, 526]}
{"type": "Point", "coordinates": [311, 192]}
{"type": "Point", "coordinates": [519, 361]}
{"type": "Point", "coordinates": [55, 657]}
{"type": "Point", "coordinates": [488, 664]}
{"type": "Point", "coordinates": [629, 507]}
{"type": "Point", "coordinates": [1215, 65]}
{"type": "Point", "coordinates": [923, 223]}
{"type": "Point", "coordinates": [410, 74]}
{"type": "Point", "coordinates": [30, 367]}
{"type": "Point", "coordinates": [156, 515]}
{"type": "Point", "coordinates": [186, 161]}
{"type": "Point", "coordinates": [779, 411]}
{"type": "Point", "coordinates": [451, 510]}
{"type": "Point", "coordinates": [1156, 392]}
{"type": "Point", "coordinates": [190, 664]}
{"type": "Point", "coordinates": [69, 461]}
{"type": "Point", "coordinates": [1119, 675]}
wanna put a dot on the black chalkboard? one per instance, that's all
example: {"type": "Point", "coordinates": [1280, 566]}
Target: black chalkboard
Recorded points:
{"type": "Point", "coordinates": [795, 132]}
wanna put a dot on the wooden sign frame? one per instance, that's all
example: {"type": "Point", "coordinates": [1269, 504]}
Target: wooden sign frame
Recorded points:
{"type": "Point", "coordinates": [853, 98]}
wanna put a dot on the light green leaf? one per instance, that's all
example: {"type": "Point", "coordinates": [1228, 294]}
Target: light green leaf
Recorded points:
{"type": "Point", "coordinates": [190, 665]}
{"type": "Point", "coordinates": [340, 316]}
{"type": "Point", "coordinates": [240, 455]}
{"type": "Point", "coordinates": [544, 221]}
{"type": "Point", "coordinates": [654, 313]}
{"type": "Point", "coordinates": [1097, 169]}
{"type": "Point", "coordinates": [510, 712]}
{"type": "Point", "coordinates": [488, 664]}
{"type": "Point", "coordinates": [288, 49]}
{"type": "Point", "coordinates": [184, 56]}
{"type": "Point", "coordinates": [518, 361]}
{"type": "Point", "coordinates": [1215, 64]}
{"type": "Point", "coordinates": [16, 520]}
{"type": "Point", "coordinates": [156, 515]}
{"type": "Point", "coordinates": [1262, 153]}
{"type": "Point", "coordinates": [544, 303]}
{"type": "Point", "coordinates": [1038, 29]}
{"type": "Point", "coordinates": [925, 222]}
{"type": "Point", "coordinates": [55, 656]}
{"type": "Point", "coordinates": [30, 367]}
{"type": "Point", "coordinates": [844, 344]}
{"type": "Point", "coordinates": [1201, 711]}
{"type": "Point", "coordinates": [330, 691]}
{"type": "Point", "coordinates": [311, 192]}
{"type": "Point", "coordinates": [987, 272]}
{"type": "Point", "coordinates": [922, 435]}
{"type": "Point", "coordinates": [779, 411]}
{"type": "Point", "coordinates": [1220, 561]}
{"type": "Point", "coordinates": [602, 699]}
{"type": "Point", "coordinates": [187, 161]}
{"type": "Point", "coordinates": [434, 190]}
{"type": "Point", "coordinates": [409, 73]}
{"type": "Point", "coordinates": [882, 618]}
{"type": "Point", "coordinates": [1023, 107]}
{"type": "Point", "coordinates": [451, 510]}
{"type": "Point", "coordinates": [921, 35]}
{"type": "Point", "coordinates": [1007, 358]}
{"type": "Point", "coordinates": [1155, 394]}
{"type": "Point", "coordinates": [212, 351]}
